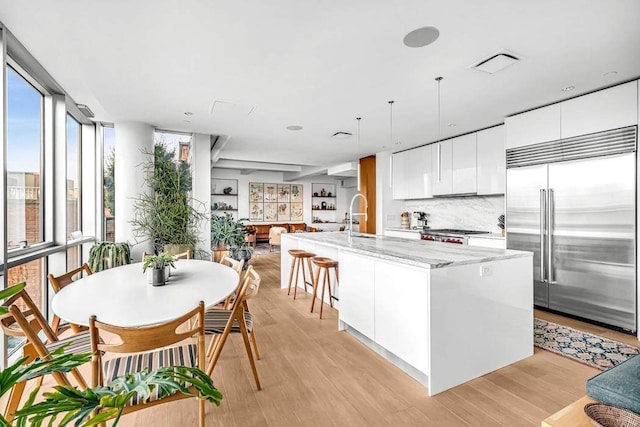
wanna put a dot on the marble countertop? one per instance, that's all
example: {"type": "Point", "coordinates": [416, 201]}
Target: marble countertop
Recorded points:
{"type": "Point", "coordinates": [497, 236]}
{"type": "Point", "coordinates": [418, 253]}
{"type": "Point", "coordinates": [408, 230]}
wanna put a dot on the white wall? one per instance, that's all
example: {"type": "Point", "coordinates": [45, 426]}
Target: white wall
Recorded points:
{"type": "Point", "coordinates": [277, 177]}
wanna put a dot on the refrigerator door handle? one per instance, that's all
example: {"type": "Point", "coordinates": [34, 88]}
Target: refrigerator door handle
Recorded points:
{"type": "Point", "coordinates": [543, 220]}
{"type": "Point", "coordinates": [551, 212]}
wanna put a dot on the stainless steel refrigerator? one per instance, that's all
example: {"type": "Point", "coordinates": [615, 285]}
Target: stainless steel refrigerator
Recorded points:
{"type": "Point", "coordinates": [572, 203]}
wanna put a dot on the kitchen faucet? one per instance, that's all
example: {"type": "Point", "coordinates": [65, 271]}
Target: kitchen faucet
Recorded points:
{"type": "Point", "coordinates": [351, 214]}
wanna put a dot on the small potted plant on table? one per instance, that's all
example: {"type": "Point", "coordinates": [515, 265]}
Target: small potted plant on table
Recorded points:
{"type": "Point", "coordinates": [157, 275]}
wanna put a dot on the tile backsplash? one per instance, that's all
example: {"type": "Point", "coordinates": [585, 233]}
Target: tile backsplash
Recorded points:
{"type": "Point", "coordinates": [467, 213]}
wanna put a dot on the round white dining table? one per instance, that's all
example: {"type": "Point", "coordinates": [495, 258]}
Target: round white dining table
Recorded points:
{"type": "Point", "coordinates": [121, 296]}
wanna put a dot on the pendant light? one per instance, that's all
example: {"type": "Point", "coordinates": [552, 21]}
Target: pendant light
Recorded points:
{"type": "Point", "coordinates": [439, 80]}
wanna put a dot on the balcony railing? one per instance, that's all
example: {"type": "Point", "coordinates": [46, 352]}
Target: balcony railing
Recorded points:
{"type": "Point", "coordinates": [23, 193]}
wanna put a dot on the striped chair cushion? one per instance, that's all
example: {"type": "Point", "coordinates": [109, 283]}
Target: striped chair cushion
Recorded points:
{"type": "Point", "coordinates": [215, 320]}
{"type": "Point", "coordinates": [78, 343]}
{"type": "Point", "coordinates": [185, 355]}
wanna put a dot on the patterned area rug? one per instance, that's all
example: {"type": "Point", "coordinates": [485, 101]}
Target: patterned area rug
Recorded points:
{"type": "Point", "coordinates": [263, 248]}
{"type": "Point", "coordinates": [598, 352]}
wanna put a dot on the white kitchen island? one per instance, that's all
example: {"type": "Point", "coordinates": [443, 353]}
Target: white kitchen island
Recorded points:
{"type": "Point", "coordinates": [443, 313]}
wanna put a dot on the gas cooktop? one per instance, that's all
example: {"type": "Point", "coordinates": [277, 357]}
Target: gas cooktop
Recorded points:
{"type": "Point", "coordinates": [452, 231]}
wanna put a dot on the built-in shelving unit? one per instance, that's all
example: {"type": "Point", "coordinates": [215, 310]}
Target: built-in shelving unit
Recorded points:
{"type": "Point", "coordinates": [323, 203]}
{"type": "Point", "coordinates": [224, 201]}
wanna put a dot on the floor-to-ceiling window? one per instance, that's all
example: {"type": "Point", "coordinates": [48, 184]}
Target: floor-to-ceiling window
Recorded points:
{"type": "Point", "coordinates": [24, 196]}
{"type": "Point", "coordinates": [74, 218]}
{"type": "Point", "coordinates": [108, 169]}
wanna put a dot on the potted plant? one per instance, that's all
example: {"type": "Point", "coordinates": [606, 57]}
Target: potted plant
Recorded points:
{"type": "Point", "coordinates": [157, 275]}
{"type": "Point", "coordinates": [228, 237]}
{"type": "Point", "coordinates": [106, 255]}
{"type": "Point", "coordinates": [166, 214]}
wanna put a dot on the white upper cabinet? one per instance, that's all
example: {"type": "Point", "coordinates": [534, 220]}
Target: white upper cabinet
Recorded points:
{"type": "Point", "coordinates": [532, 127]}
{"type": "Point", "coordinates": [442, 167]}
{"type": "Point", "coordinates": [419, 172]}
{"type": "Point", "coordinates": [606, 109]}
{"type": "Point", "coordinates": [491, 160]}
{"type": "Point", "coordinates": [399, 175]}
{"type": "Point", "coordinates": [464, 164]}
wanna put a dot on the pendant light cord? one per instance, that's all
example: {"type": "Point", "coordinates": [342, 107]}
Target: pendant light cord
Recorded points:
{"type": "Point", "coordinates": [358, 119]}
{"type": "Point", "coordinates": [391, 123]}
{"type": "Point", "coordinates": [439, 79]}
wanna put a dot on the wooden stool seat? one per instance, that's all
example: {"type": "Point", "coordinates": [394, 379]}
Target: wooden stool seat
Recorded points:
{"type": "Point", "coordinates": [323, 264]}
{"type": "Point", "coordinates": [297, 263]}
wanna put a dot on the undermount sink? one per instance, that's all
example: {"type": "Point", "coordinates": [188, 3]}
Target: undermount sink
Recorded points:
{"type": "Point", "coordinates": [363, 236]}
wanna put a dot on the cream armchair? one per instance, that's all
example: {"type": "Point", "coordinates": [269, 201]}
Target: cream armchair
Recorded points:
{"type": "Point", "coordinates": [274, 236]}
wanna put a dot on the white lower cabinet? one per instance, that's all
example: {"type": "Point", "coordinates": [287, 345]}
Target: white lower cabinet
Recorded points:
{"type": "Point", "coordinates": [414, 235]}
{"type": "Point", "coordinates": [487, 242]}
{"type": "Point", "coordinates": [357, 292]}
{"type": "Point", "coordinates": [401, 312]}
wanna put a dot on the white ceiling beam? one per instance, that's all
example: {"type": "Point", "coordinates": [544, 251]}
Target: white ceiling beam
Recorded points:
{"type": "Point", "coordinates": [219, 144]}
{"type": "Point", "coordinates": [343, 169]}
{"type": "Point", "coordinates": [305, 172]}
{"type": "Point", "coordinates": [263, 166]}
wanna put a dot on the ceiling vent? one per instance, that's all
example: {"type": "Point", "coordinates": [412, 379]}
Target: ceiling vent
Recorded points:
{"type": "Point", "coordinates": [341, 135]}
{"type": "Point", "coordinates": [496, 62]}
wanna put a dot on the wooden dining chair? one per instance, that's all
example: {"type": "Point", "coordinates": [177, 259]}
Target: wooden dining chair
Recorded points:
{"type": "Point", "coordinates": [184, 255]}
{"type": "Point", "coordinates": [237, 266]}
{"type": "Point", "coordinates": [251, 293]}
{"type": "Point", "coordinates": [59, 282]}
{"type": "Point", "coordinates": [154, 348]}
{"type": "Point", "coordinates": [25, 320]}
{"type": "Point", "coordinates": [221, 323]}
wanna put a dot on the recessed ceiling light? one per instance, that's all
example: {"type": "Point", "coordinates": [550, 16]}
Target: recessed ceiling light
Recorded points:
{"type": "Point", "coordinates": [610, 74]}
{"type": "Point", "coordinates": [188, 113]}
{"type": "Point", "coordinates": [294, 127]}
{"type": "Point", "coordinates": [421, 37]}
{"type": "Point", "coordinates": [398, 143]}
{"type": "Point", "coordinates": [384, 146]}
{"type": "Point", "coordinates": [568, 88]}
{"type": "Point", "coordinates": [187, 121]}
{"type": "Point", "coordinates": [451, 125]}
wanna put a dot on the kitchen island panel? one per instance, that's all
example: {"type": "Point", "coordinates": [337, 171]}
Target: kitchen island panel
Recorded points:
{"type": "Point", "coordinates": [401, 312]}
{"type": "Point", "coordinates": [357, 293]}
{"type": "Point", "coordinates": [479, 323]}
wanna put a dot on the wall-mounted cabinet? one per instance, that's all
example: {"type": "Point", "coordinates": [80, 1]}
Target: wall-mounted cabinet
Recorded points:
{"type": "Point", "coordinates": [454, 166]}
{"type": "Point", "coordinates": [411, 174]}
{"type": "Point", "coordinates": [491, 161]}
{"type": "Point", "coordinates": [224, 196]}
{"type": "Point", "coordinates": [606, 109]}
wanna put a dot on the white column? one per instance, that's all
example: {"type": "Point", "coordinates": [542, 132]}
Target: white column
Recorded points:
{"type": "Point", "coordinates": [132, 140]}
{"type": "Point", "coordinates": [201, 170]}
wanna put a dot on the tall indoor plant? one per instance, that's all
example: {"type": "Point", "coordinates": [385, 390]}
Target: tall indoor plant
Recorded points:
{"type": "Point", "coordinates": [165, 213]}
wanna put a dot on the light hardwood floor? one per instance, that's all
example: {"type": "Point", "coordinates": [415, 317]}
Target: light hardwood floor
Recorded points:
{"type": "Point", "coordinates": [314, 375]}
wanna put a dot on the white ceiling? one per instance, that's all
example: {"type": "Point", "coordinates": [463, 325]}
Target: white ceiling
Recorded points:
{"type": "Point", "coordinates": [321, 64]}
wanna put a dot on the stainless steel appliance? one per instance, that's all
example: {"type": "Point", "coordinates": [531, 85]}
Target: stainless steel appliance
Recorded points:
{"type": "Point", "coordinates": [419, 220]}
{"type": "Point", "coordinates": [572, 203]}
{"type": "Point", "coordinates": [449, 235]}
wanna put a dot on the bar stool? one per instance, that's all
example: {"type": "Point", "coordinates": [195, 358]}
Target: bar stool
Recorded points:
{"type": "Point", "coordinates": [323, 264]}
{"type": "Point", "coordinates": [297, 263]}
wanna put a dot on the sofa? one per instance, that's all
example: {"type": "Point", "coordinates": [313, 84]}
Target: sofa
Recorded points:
{"type": "Point", "coordinates": [262, 230]}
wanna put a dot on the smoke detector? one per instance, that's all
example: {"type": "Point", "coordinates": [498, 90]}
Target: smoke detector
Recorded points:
{"type": "Point", "coordinates": [495, 62]}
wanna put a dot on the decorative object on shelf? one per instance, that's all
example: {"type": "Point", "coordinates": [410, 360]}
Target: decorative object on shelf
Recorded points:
{"type": "Point", "coordinates": [275, 202]}
{"type": "Point", "coordinates": [315, 194]}
{"type": "Point", "coordinates": [158, 263]}
{"type": "Point", "coordinates": [324, 205]}
{"type": "Point", "coordinates": [501, 224]}
{"type": "Point", "coordinates": [323, 193]}
{"type": "Point", "coordinates": [106, 255]}
{"type": "Point", "coordinates": [329, 194]}
{"type": "Point", "coordinates": [227, 190]}
{"type": "Point", "coordinates": [405, 221]}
